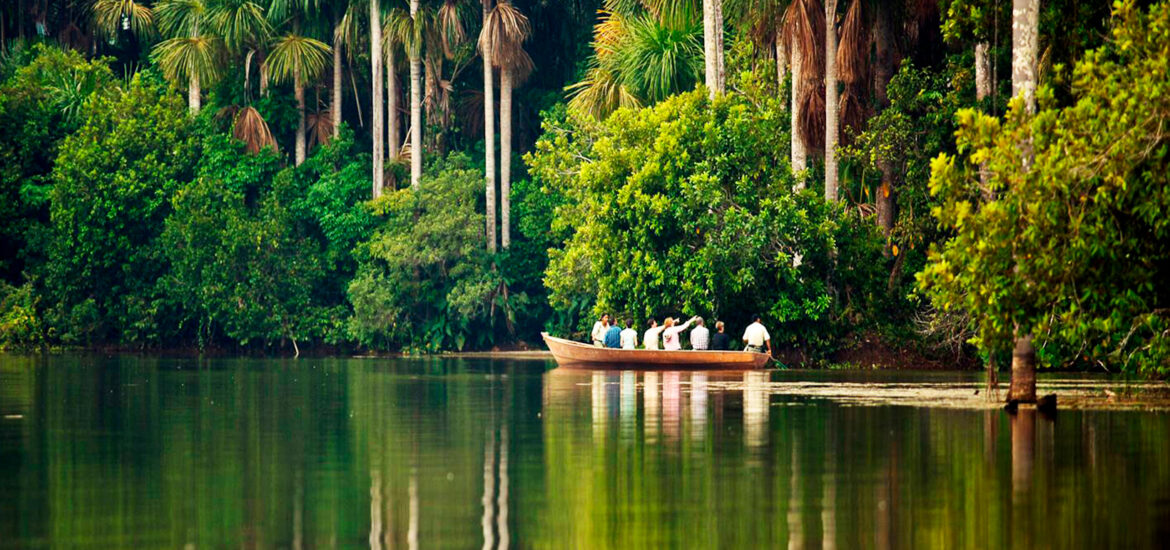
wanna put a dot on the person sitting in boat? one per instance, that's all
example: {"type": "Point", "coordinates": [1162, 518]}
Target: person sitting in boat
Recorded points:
{"type": "Point", "coordinates": [719, 341]}
{"type": "Point", "coordinates": [598, 333]}
{"type": "Point", "coordinates": [670, 334]}
{"type": "Point", "coordinates": [650, 339]}
{"type": "Point", "coordinates": [613, 335]}
{"type": "Point", "coordinates": [629, 336]}
{"type": "Point", "coordinates": [756, 337]}
{"type": "Point", "coordinates": [700, 336]}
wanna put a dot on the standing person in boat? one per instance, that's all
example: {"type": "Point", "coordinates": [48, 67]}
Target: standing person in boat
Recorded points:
{"type": "Point", "coordinates": [629, 336]}
{"type": "Point", "coordinates": [720, 341]}
{"type": "Point", "coordinates": [650, 339]}
{"type": "Point", "coordinates": [670, 335]}
{"type": "Point", "coordinates": [700, 336]}
{"type": "Point", "coordinates": [613, 334]}
{"type": "Point", "coordinates": [756, 337]}
{"type": "Point", "coordinates": [598, 333]}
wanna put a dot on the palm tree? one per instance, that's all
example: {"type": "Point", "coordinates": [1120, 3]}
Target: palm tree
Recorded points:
{"type": "Point", "coordinates": [414, 48]}
{"type": "Point", "coordinates": [189, 54]}
{"type": "Point", "coordinates": [762, 21]}
{"type": "Point", "coordinates": [643, 52]}
{"type": "Point", "coordinates": [713, 45]}
{"type": "Point", "coordinates": [298, 59]}
{"type": "Point", "coordinates": [506, 30]}
{"type": "Point", "coordinates": [376, 67]}
{"type": "Point", "coordinates": [831, 112]}
{"type": "Point", "coordinates": [489, 125]}
{"type": "Point", "coordinates": [112, 17]}
{"type": "Point", "coordinates": [398, 31]}
{"type": "Point", "coordinates": [1025, 48]}
{"type": "Point", "coordinates": [245, 31]}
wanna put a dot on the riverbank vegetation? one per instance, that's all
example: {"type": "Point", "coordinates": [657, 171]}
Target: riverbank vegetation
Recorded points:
{"type": "Point", "coordinates": [955, 180]}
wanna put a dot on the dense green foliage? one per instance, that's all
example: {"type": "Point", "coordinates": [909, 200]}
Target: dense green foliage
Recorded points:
{"type": "Point", "coordinates": [425, 280]}
{"type": "Point", "coordinates": [689, 208]}
{"type": "Point", "coordinates": [1075, 245]}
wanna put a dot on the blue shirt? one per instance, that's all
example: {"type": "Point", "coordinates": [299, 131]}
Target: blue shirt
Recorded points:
{"type": "Point", "coordinates": [613, 337]}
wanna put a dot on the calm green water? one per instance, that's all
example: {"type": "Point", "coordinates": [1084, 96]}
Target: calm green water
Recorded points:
{"type": "Point", "coordinates": [155, 453]}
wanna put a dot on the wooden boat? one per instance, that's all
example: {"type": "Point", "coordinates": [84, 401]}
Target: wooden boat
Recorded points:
{"type": "Point", "coordinates": [575, 354]}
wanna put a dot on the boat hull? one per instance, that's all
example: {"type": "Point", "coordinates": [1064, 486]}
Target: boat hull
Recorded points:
{"type": "Point", "coordinates": [575, 354]}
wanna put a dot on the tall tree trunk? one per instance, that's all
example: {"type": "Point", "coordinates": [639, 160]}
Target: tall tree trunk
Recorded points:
{"type": "Point", "coordinates": [883, 71]}
{"type": "Point", "coordinates": [506, 157]}
{"type": "Point", "coordinates": [416, 130]}
{"type": "Point", "coordinates": [781, 62]}
{"type": "Point", "coordinates": [392, 95]}
{"type": "Point", "coordinates": [300, 95]}
{"type": "Point", "coordinates": [982, 90]}
{"type": "Point", "coordinates": [194, 101]}
{"type": "Point", "coordinates": [713, 46]}
{"type": "Point", "coordinates": [799, 151]}
{"type": "Point", "coordinates": [1025, 51]}
{"type": "Point", "coordinates": [489, 134]}
{"type": "Point", "coordinates": [335, 101]}
{"type": "Point", "coordinates": [831, 109]}
{"type": "Point", "coordinates": [379, 163]}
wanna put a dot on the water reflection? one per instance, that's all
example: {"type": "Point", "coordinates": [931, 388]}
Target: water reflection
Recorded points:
{"type": "Point", "coordinates": [130, 453]}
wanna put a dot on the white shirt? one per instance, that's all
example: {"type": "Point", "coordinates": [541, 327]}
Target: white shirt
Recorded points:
{"type": "Point", "coordinates": [700, 338]}
{"type": "Point", "coordinates": [629, 339]}
{"type": "Point", "coordinates": [598, 331]}
{"type": "Point", "coordinates": [650, 339]}
{"type": "Point", "coordinates": [756, 335]}
{"type": "Point", "coordinates": [670, 339]}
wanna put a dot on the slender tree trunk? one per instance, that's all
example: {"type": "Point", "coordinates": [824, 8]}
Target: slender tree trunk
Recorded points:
{"type": "Point", "coordinates": [799, 151]}
{"type": "Point", "coordinates": [300, 95]}
{"type": "Point", "coordinates": [781, 62]}
{"type": "Point", "coordinates": [982, 70]}
{"type": "Point", "coordinates": [505, 157]}
{"type": "Point", "coordinates": [1025, 51]}
{"type": "Point", "coordinates": [883, 71]}
{"type": "Point", "coordinates": [194, 101]}
{"type": "Point", "coordinates": [379, 163]}
{"type": "Point", "coordinates": [831, 108]}
{"type": "Point", "coordinates": [335, 101]}
{"type": "Point", "coordinates": [263, 74]}
{"type": "Point", "coordinates": [713, 46]}
{"type": "Point", "coordinates": [489, 134]}
{"type": "Point", "coordinates": [982, 90]}
{"type": "Point", "coordinates": [416, 130]}
{"type": "Point", "coordinates": [392, 94]}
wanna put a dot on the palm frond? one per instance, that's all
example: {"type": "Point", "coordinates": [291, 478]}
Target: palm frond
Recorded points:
{"type": "Point", "coordinates": [853, 112]}
{"type": "Point", "coordinates": [113, 16]}
{"type": "Point", "coordinates": [251, 129]}
{"type": "Point", "coordinates": [183, 56]}
{"type": "Point", "coordinates": [661, 59]}
{"type": "Point", "coordinates": [295, 53]}
{"type": "Point", "coordinates": [239, 22]}
{"type": "Point", "coordinates": [812, 116]}
{"type": "Point", "coordinates": [451, 21]}
{"type": "Point", "coordinates": [180, 17]}
{"type": "Point", "coordinates": [320, 127]}
{"type": "Point", "coordinates": [600, 93]}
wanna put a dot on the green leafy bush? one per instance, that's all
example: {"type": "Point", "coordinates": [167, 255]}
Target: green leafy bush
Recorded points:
{"type": "Point", "coordinates": [688, 207]}
{"type": "Point", "coordinates": [424, 280]}
{"type": "Point", "coordinates": [112, 185]}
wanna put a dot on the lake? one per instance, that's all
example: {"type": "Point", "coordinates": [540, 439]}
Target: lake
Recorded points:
{"type": "Point", "coordinates": [130, 452]}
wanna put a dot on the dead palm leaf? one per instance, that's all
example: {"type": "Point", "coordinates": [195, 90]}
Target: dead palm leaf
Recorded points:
{"type": "Point", "coordinates": [251, 129]}
{"type": "Point", "coordinates": [853, 49]}
{"type": "Point", "coordinates": [320, 127]}
{"type": "Point", "coordinates": [812, 116]}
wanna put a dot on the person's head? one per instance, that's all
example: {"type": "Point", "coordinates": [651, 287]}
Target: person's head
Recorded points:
{"type": "Point", "coordinates": [669, 322]}
{"type": "Point", "coordinates": [698, 321]}
{"type": "Point", "coordinates": [756, 318]}
{"type": "Point", "coordinates": [719, 326]}
{"type": "Point", "coordinates": [629, 323]}
{"type": "Point", "coordinates": [651, 322]}
{"type": "Point", "coordinates": [605, 318]}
